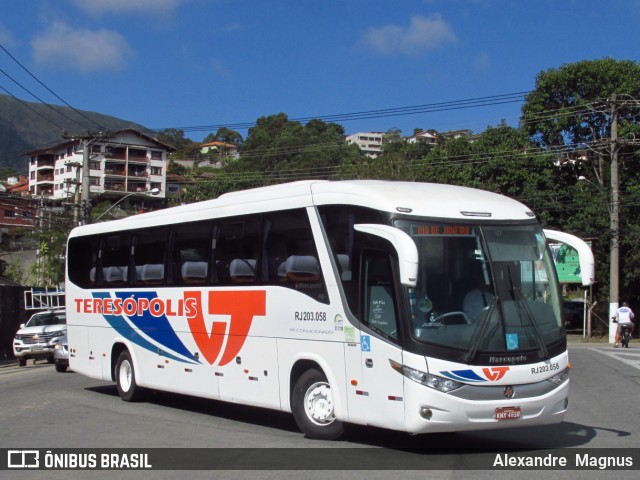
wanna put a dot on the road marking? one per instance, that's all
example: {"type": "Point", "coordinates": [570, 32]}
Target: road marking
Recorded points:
{"type": "Point", "coordinates": [624, 355]}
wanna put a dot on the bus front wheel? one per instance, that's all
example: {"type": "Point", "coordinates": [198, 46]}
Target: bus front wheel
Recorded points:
{"type": "Point", "coordinates": [313, 407]}
{"type": "Point", "coordinates": [128, 390]}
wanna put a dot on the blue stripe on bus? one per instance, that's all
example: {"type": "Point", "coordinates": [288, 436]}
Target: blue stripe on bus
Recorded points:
{"type": "Point", "coordinates": [464, 376]}
{"type": "Point", "coordinates": [161, 331]}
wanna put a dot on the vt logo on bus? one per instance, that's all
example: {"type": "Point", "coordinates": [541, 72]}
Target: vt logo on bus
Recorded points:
{"type": "Point", "coordinates": [490, 374]}
{"type": "Point", "coordinates": [130, 313]}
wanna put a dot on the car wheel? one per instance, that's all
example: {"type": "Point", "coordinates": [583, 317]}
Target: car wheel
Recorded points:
{"type": "Point", "coordinates": [128, 390]}
{"type": "Point", "coordinates": [61, 367]}
{"type": "Point", "coordinates": [22, 362]}
{"type": "Point", "coordinates": [313, 407]}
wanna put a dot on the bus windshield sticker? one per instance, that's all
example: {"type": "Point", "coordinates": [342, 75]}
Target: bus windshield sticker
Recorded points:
{"type": "Point", "coordinates": [365, 342]}
{"type": "Point", "coordinates": [512, 341]}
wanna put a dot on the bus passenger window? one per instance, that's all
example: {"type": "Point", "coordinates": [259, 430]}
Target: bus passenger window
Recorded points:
{"type": "Point", "coordinates": [116, 251]}
{"type": "Point", "coordinates": [290, 254]}
{"type": "Point", "coordinates": [346, 244]}
{"type": "Point", "coordinates": [149, 256]}
{"type": "Point", "coordinates": [237, 249]}
{"type": "Point", "coordinates": [191, 251]}
{"type": "Point", "coordinates": [82, 260]}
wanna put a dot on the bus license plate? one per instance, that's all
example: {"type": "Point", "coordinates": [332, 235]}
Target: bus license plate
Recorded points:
{"type": "Point", "coordinates": [507, 413]}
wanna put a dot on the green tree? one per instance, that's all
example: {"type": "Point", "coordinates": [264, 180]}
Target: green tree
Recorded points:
{"type": "Point", "coordinates": [283, 150]}
{"type": "Point", "coordinates": [225, 135]}
{"type": "Point", "coordinates": [14, 271]}
{"type": "Point", "coordinates": [570, 111]}
{"type": "Point", "coordinates": [7, 172]}
{"type": "Point", "coordinates": [48, 271]}
{"type": "Point", "coordinates": [185, 147]}
{"type": "Point", "coordinates": [571, 108]}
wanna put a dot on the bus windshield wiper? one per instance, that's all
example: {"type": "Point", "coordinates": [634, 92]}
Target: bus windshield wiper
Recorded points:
{"type": "Point", "coordinates": [525, 313]}
{"type": "Point", "coordinates": [480, 333]}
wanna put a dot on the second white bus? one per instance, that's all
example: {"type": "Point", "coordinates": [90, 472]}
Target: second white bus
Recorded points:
{"type": "Point", "coordinates": [408, 306]}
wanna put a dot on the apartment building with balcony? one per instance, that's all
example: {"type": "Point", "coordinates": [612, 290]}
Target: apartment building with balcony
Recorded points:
{"type": "Point", "coordinates": [126, 162]}
{"type": "Point", "coordinates": [370, 143]}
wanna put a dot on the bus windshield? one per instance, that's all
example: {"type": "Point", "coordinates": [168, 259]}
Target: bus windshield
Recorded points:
{"type": "Point", "coordinates": [484, 288]}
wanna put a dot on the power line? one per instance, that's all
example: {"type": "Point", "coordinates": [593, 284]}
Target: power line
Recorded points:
{"type": "Point", "coordinates": [38, 98]}
{"type": "Point", "coordinates": [32, 109]}
{"type": "Point", "coordinates": [379, 113]}
{"type": "Point", "coordinates": [48, 89]}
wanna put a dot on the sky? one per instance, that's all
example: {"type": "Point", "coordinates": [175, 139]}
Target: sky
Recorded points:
{"type": "Point", "coordinates": [198, 65]}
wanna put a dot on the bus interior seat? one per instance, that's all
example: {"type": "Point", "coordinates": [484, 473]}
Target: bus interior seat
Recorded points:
{"type": "Point", "coordinates": [281, 271]}
{"type": "Point", "coordinates": [152, 273]}
{"type": "Point", "coordinates": [303, 268]}
{"type": "Point", "coordinates": [115, 275]}
{"type": "Point", "coordinates": [242, 270]}
{"type": "Point", "coordinates": [194, 272]}
{"type": "Point", "coordinates": [343, 266]}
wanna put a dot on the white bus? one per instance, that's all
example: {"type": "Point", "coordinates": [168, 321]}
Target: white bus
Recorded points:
{"type": "Point", "coordinates": [339, 302]}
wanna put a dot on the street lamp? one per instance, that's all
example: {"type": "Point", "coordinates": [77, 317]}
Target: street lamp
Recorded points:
{"type": "Point", "coordinates": [614, 253]}
{"type": "Point", "coordinates": [153, 191]}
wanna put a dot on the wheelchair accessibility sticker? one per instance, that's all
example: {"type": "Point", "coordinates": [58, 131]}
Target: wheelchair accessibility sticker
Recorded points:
{"type": "Point", "coordinates": [512, 341]}
{"type": "Point", "coordinates": [365, 343]}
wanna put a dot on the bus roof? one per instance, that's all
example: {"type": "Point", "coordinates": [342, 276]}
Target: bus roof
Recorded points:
{"type": "Point", "coordinates": [413, 198]}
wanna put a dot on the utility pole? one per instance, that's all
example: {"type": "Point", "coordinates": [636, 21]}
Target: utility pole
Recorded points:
{"type": "Point", "coordinates": [84, 190]}
{"type": "Point", "coordinates": [87, 139]}
{"type": "Point", "coordinates": [614, 252]}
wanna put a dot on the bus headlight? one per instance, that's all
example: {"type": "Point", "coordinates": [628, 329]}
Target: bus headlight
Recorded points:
{"type": "Point", "coordinates": [432, 381]}
{"type": "Point", "coordinates": [560, 378]}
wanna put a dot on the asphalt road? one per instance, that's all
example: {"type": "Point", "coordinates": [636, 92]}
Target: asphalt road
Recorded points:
{"type": "Point", "coordinates": [40, 408]}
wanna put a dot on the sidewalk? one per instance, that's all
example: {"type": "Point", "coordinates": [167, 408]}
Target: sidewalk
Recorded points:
{"type": "Point", "coordinates": [578, 339]}
{"type": "Point", "coordinates": [8, 363]}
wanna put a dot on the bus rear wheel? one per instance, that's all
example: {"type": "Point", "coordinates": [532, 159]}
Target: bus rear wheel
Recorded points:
{"type": "Point", "coordinates": [313, 407]}
{"type": "Point", "coordinates": [128, 390]}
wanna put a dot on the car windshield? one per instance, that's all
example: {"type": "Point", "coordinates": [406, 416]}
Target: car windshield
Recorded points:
{"type": "Point", "coordinates": [484, 288]}
{"type": "Point", "coordinates": [47, 319]}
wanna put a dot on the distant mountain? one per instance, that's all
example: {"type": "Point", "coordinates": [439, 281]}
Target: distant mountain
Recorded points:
{"type": "Point", "coordinates": [27, 127]}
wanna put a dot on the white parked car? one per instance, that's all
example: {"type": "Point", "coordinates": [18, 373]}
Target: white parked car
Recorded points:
{"type": "Point", "coordinates": [61, 355]}
{"type": "Point", "coordinates": [38, 337]}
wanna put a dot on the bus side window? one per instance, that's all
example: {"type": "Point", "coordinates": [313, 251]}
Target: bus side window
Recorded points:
{"type": "Point", "coordinates": [83, 261]}
{"type": "Point", "coordinates": [346, 244]}
{"type": "Point", "coordinates": [379, 297]}
{"type": "Point", "coordinates": [290, 254]}
{"type": "Point", "coordinates": [191, 253]}
{"type": "Point", "coordinates": [237, 249]}
{"type": "Point", "coordinates": [149, 256]}
{"type": "Point", "coordinates": [116, 251]}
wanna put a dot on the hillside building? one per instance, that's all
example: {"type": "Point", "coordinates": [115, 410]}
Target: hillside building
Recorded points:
{"type": "Point", "coordinates": [126, 163]}
{"type": "Point", "coordinates": [369, 142]}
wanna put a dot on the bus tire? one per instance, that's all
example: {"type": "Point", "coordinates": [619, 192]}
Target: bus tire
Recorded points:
{"type": "Point", "coordinates": [128, 390]}
{"type": "Point", "coordinates": [313, 407]}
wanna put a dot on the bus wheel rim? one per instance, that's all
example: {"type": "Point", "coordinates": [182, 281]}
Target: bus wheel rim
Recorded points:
{"type": "Point", "coordinates": [125, 376]}
{"type": "Point", "coordinates": [318, 402]}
